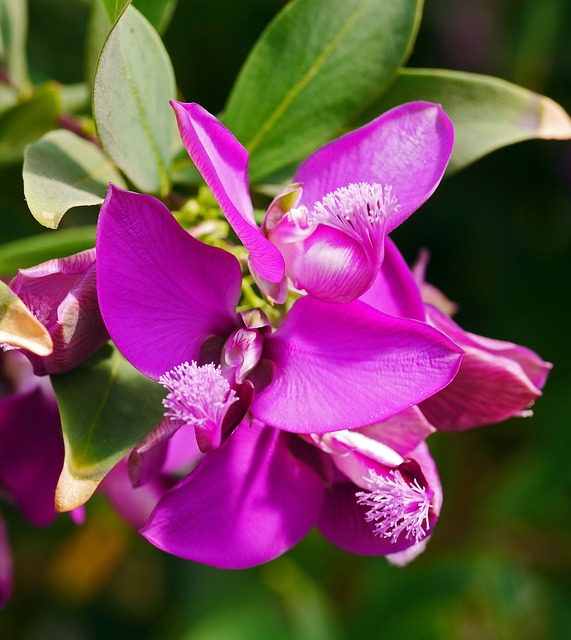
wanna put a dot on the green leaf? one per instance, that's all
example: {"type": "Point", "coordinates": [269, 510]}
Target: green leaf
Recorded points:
{"type": "Point", "coordinates": [134, 81]}
{"type": "Point", "coordinates": [33, 250]}
{"type": "Point", "coordinates": [157, 12]}
{"type": "Point", "coordinates": [75, 97]}
{"type": "Point", "coordinates": [19, 327]}
{"type": "Point", "coordinates": [488, 113]}
{"type": "Point", "coordinates": [106, 408]}
{"type": "Point", "coordinates": [27, 121]}
{"type": "Point", "coordinates": [115, 8]}
{"type": "Point", "coordinates": [13, 34]}
{"type": "Point", "coordinates": [61, 171]}
{"type": "Point", "coordinates": [312, 71]}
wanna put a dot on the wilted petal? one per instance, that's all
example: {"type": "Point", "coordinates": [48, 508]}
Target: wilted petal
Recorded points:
{"type": "Point", "coordinates": [6, 568]}
{"type": "Point", "coordinates": [161, 291]}
{"type": "Point", "coordinates": [346, 366]}
{"type": "Point", "coordinates": [244, 504]}
{"type": "Point", "coordinates": [407, 148]}
{"type": "Point", "coordinates": [496, 380]}
{"type": "Point", "coordinates": [395, 290]}
{"type": "Point", "coordinates": [223, 163]}
{"type": "Point", "coordinates": [62, 295]}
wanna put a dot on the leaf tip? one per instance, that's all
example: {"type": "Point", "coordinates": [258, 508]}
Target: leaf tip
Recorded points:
{"type": "Point", "coordinates": [73, 492]}
{"type": "Point", "coordinates": [555, 123]}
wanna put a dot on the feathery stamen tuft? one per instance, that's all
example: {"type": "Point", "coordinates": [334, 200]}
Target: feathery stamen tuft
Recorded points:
{"type": "Point", "coordinates": [396, 506]}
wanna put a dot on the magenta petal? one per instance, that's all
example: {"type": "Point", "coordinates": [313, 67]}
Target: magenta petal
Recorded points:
{"type": "Point", "coordinates": [407, 148]}
{"type": "Point", "coordinates": [223, 163]}
{"type": "Point", "coordinates": [161, 291]}
{"type": "Point", "coordinates": [31, 453]}
{"type": "Point", "coordinates": [395, 290]}
{"type": "Point", "coordinates": [6, 569]}
{"type": "Point", "coordinates": [346, 366]}
{"type": "Point", "coordinates": [245, 504]}
{"type": "Point", "coordinates": [497, 380]}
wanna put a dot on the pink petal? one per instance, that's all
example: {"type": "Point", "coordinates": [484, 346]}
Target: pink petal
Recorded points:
{"type": "Point", "coordinates": [62, 295]}
{"type": "Point", "coordinates": [497, 380]}
{"type": "Point", "coordinates": [342, 520]}
{"type": "Point", "coordinates": [346, 366]}
{"type": "Point", "coordinates": [395, 290]}
{"type": "Point", "coordinates": [161, 291]}
{"type": "Point", "coordinates": [402, 432]}
{"type": "Point", "coordinates": [407, 148]}
{"type": "Point", "coordinates": [245, 504]}
{"type": "Point", "coordinates": [223, 163]}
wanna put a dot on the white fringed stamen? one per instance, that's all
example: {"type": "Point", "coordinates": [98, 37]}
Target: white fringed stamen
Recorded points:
{"type": "Point", "coordinates": [197, 394]}
{"type": "Point", "coordinates": [360, 210]}
{"type": "Point", "coordinates": [396, 506]}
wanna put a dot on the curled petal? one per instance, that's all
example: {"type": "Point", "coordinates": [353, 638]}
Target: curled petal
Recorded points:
{"type": "Point", "coordinates": [223, 163]}
{"type": "Point", "coordinates": [346, 366]}
{"type": "Point", "coordinates": [334, 267]}
{"type": "Point", "coordinates": [244, 504]}
{"type": "Point", "coordinates": [407, 148]}
{"type": "Point", "coordinates": [496, 380]}
{"type": "Point", "coordinates": [162, 292]}
{"type": "Point", "coordinates": [62, 295]}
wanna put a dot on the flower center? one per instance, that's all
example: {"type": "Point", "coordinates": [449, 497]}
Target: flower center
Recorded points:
{"type": "Point", "coordinates": [360, 210]}
{"type": "Point", "coordinates": [199, 396]}
{"type": "Point", "coordinates": [396, 506]}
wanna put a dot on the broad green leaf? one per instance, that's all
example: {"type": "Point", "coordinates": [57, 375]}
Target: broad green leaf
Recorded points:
{"type": "Point", "coordinates": [18, 326]}
{"type": "Point", "coordinates": [61, 171]}
{"type": "Point", "coordinates": [33, 250]}
{"type": "Point", "coordinates": [488, 113]}
{"type": "Point", "coordinates": [115, 8]}
{"type": "Point", "coordinates": [13, 34]}
{"type": "Point", "coordinates": [27, 121]}
{"type": "Point", "coordinates": [157, 12]}
{"type": "Point", "coordinates": [106, 408]}
{"type": "Point", "coordinates": [312, 71]}
{"type": "Point", "coordinates": [134, 81]}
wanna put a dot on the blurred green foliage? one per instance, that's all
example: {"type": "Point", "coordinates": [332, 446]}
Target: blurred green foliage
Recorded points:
{"type": "Point", "coordinates": [499, 564]}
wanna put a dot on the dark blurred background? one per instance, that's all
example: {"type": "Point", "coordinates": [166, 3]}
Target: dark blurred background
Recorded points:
{"type": "Point", "coordinates": [499, 563]}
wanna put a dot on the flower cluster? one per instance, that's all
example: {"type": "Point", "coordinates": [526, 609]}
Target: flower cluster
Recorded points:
{"type": "Point", "coordinates": [319, 416]}
{"type": "Point", "coordinates": [311, 407]}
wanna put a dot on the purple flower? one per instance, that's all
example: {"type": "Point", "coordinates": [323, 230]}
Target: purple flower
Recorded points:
{"type": "Point", "coordinates": [496, 379]}
{"type": "Point", "coordinates": [61, 294]}
{"type": "Point", "coordinates": [169, 303]}
{"type": "Point", "coordinates": [373, 491]}
{"type": "Point", "coordinates": [31, 450]}
{"type": "Point", "coordinates": [326, 234]}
